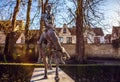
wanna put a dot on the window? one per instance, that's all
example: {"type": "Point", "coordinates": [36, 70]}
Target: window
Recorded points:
{"type": "Point", "coordinates": [64, 30]}
{"type": "Point", "coordinates": [61, 39]}
{"type": "Point", "coordinates": [97, 39]}
{"type": "Point", "coordinates": [69, 40]}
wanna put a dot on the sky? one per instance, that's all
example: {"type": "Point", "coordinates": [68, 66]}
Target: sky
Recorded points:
{"type": "Point", "coordinates": [110, 9]}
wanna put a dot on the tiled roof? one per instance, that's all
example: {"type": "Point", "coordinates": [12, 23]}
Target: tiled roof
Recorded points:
{"type": "Point", "coordinates": [72, 30]}
{"type": "Point", "coordinates": [116, 29]}
{"type": "Point", "coordinates": [108, 36]}
{"type": "Point", "coordinates": [98, 31]}
{"type": "Point", "coordinates": [5, 25]}
{"type": "Point", "coordinates": [58, 29]}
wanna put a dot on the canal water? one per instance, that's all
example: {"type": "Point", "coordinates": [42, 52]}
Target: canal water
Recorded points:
{"type": "Point", "coordinates": [82, 73]}
{"type": "Point", "coordinates": [93, 73]}
{"type": "Point", "coordinates": [15, 73]}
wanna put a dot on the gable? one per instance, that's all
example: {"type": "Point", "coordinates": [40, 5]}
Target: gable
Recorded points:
{"type": "Point", "coordinates": [98, 31]}
{"type": "Point", "coordinates": [66, 30]}
{"type": "Point", "coordinates": [116, 30]}
{"type": "Point", "coordinates": [2, 37]}
{"type": "Point", "coordinates": [73, 30]}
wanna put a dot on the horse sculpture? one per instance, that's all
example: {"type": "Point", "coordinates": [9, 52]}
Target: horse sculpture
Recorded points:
{"type": "Point", "coordinates": [50, 46]}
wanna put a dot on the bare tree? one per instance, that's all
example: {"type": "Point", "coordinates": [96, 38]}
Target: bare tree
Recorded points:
{"type": "Point", "coordinates": [27, 21]}
{"type": "Point", "coordinates": [10, 41]}
{"type": "Point", "coordinates": [79, 32]}
{"type": "Point", "coordinates": [87, 14]}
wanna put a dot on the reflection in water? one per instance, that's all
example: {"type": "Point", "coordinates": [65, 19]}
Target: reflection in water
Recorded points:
{"type": "Point", "coordinates": [93, 73]}
{"type": "Point", "coordinates": [10, 73]}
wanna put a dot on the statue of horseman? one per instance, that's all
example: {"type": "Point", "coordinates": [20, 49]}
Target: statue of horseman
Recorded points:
{"type": "Point", "coordinates": [49, 44]}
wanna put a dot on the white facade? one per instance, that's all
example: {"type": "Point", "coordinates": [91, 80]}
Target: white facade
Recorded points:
{"type": "Point", "coordinates": [89, 35]}
{"type": "Point", "coordinates": [2, 37]}
{"type": "Point", "coordinates": [21, 39]}
{"type": "Point", "coordinates": [68, 35]}
{"type": "Point", "coordinates": [65, 35]}
{"type": "Point", "coordinates": [102, 39]}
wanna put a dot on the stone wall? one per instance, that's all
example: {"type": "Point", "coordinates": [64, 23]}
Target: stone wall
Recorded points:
{"type": "Point", "coordinates": [70, 48]}
{"type": "Point", "coordinates": [102, 50]}
{"type": "Point", "coordinates": [91, 50]}
{"type": "Point", "coordinates": [96, 50]}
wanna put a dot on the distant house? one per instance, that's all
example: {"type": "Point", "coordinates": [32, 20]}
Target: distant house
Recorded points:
{"type": "Point", "coordinates": [2, 37]}
{"type": "Point", "coordinates": [91, 35]}
{"type": "Point", "coordinates": [99, 35]}
{"type": "Point", "coordinates": [94, 35]}
{"type": "Point", "coordinates": [115, 33]}
{"type": "Point", "coordinates": [19, 29]}
{"type": "Point", "coordinates": [108, 38]}
{"type": "Point", "coordinates": [66, 35]}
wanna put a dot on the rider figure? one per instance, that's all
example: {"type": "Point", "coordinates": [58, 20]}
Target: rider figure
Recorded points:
{"type": "Point", "coordinates": [48, 18]}
{"type": "Point", "coordinates": [43, 42]}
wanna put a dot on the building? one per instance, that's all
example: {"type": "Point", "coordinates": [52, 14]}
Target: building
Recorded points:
{"type": "Point", "coordinates": [108, 38]}
{"type": "Point", "coordinates": [115, 33]}
{"type": "Point", "coordinates": [4, 29]}
{"type": "Point", "coordinates": [91, 35]}
{"type": "Point", "coordinates": [99, 35]}
{"type": "Point", "coordinates": [66, 35]}
{"type": "Point", "coordinates": [2, 37]}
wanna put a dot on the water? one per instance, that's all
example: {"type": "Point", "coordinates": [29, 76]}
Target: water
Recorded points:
{"type": "Point", "coordinates": [82, 73]}
{"type": "Point", "coordinates": [94, 73]}
{"type": "Point", "coordinates": [15, 73]}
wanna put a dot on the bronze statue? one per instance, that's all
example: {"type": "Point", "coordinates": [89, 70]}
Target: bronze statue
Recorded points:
{"type": "Point", "coordinates": [50, 45]}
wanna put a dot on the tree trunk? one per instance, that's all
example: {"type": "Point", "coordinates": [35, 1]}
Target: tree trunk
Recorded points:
{"type": "Point", "coordinates": [27, 22]}
{"type": "Point", "coordinates": [79, 33]}
{"type": "Point", "coordinates": [41, 21]}
{"type": "Point", "coordinates": [10, 37]}
{"type": "Point", "coordinates": [27, 26]}
{"type": "Point", "coordinates": [43, 12]}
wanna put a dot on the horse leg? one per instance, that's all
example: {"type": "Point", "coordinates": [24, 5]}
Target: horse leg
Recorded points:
{"type": "Point", "coordinates": [57, 65]}
{"type": "Point", "coordinates": [40, 58]}
{"type": "Point", "coordinates": [45, 65]}
{"type": "Point", "coordinates": [49, 61]}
